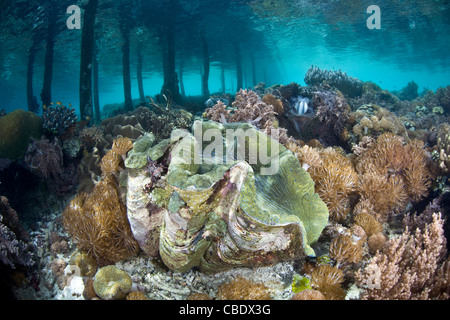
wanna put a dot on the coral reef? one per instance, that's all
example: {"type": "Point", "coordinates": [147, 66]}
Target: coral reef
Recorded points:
{"type": "Point", "coordinates": [112, 283]}
{"type": "Point", "coordinates": [15, 251]}
{"type": "Point", "coordinates": [98, 221]}
{"type": "Point", "coordinates": [409, 266]}
{"type": "Point", "coordinates": [58, 119]}
{"type": "Point", "coordinates": [17, 128]}
{"type": "Point", "coordinates": [349, 86]}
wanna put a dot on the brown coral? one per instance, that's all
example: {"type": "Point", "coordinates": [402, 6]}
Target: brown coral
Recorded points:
{"type": "Point", "coordinates": [309, 294]}
{"type": "Point", "coordinates": [346, 249]}
{"type": "Point", "coordinates": [392, 173]}
{"type": "Point", "coordinates": [335, 181]}
{"type": "Point", "coordinates": [243, 289]}
{"type": "Point", "coordinates": [277, 104]}
{"type": "Point", "coordinates": [98, 221]}
{"type": "Point", "coordinates": [328, 280]}
{"type": "Point", "coordinates": [111, 163]}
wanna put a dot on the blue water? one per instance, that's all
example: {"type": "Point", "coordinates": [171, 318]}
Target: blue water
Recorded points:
{"type": "Point", "coordinates": [284, 38]}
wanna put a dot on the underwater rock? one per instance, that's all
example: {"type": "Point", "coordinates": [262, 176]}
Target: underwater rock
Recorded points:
{"type": "Point", "coordinates": [232, 214]}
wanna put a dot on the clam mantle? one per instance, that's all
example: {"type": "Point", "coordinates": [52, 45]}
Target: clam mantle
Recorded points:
{"type": "Point", "coordinates": [221, 214]}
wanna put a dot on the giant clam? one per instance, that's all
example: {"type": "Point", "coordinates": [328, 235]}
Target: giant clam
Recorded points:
{"type": "Point", "coordinates": [234, 211]}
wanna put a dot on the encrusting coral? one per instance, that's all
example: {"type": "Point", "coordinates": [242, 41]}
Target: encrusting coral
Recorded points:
{"type": "Point", "coordinates": [98, 221]}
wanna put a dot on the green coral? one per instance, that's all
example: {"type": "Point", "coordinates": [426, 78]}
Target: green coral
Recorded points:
{"type": "Point", "coordinates": [17, 128]}
{"type": "Point", "coordinates": [112, 283]}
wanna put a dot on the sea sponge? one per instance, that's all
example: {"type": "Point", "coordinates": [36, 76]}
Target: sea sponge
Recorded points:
{"type": "Point", "coordinates": [16, 130]}
{"type": "Point", "coordinates": [243, 289]}
{"type": "Point", "coordinates": [112, 283]}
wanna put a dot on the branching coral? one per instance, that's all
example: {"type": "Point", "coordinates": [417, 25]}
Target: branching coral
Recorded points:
{"type": "Point", "coordinates": [392, 173]}
{"type": "Point", "coordinates": [98, 221]}
{"type": "Point", "coordinates": [408, 267]}
{"type": "Point", "coordinates": [161, 122]}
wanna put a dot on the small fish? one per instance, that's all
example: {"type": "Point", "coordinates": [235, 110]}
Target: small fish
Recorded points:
{"type": "Point", "coordinates": [59, 103]}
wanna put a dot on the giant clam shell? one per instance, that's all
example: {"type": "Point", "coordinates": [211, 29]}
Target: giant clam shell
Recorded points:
{"type": "Point", "coordinates": [225, 214]}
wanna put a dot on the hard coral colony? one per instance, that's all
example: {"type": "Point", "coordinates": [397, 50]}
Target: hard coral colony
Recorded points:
{"type": "Point", "coordinates": [357, 203]}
